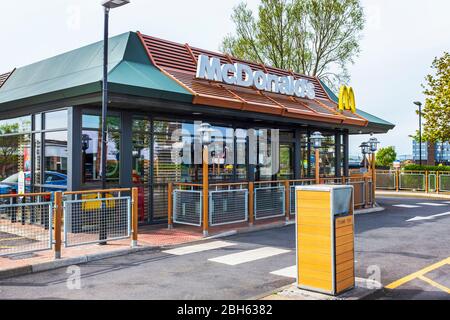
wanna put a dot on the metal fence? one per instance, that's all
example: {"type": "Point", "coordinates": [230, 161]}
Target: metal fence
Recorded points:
{"type": "Point", "coordinates": [432, 185]}
{"type": "Point", "coordinates": [444, 182]}
{"type": "Point", "coordinates": [412, 181]}
{"type": "Point", "coordinates": [269, 201]}
{"type": "Point", "coordinates": [359, 192]}
{"type": "Point", "coordinates": [386, 180]}
{"type": "Point", "coordinates": [25, 223]}
{"type": "Point", "coordinates": [228, 206]}
{"type": "Point", "coordinates": [187, 207]}
{"type": "Point", "coordinates": [96, 218]}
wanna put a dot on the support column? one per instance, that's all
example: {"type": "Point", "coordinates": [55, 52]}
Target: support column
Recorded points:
{"type": "Point", "coordinates": [297, 154]}
{"type": "Point", "coordinates": [74, 149]}
{"type": "Point", "coordinates": [338, 155]}
{"type": "Point", "coordinates": [346, 155]}
{"type": "Point", "coordinates": [126, 150]}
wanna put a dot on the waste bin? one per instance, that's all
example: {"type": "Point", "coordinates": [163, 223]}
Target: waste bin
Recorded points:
{"type": "Point", "coordinates": [325, 238]}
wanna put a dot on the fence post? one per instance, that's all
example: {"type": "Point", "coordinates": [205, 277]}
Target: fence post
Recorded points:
{"type": "Point", "coordinates": [134, 217]}
{"type": "Point", "coordinates": [426, 182]}
{"type": "Point", "coordinates": [397, 180]}
{"type": "Point", "coordinates": [287, 200]}
{"type": "Point", "coordinates": [366, 192]}
{"type": "Point", "coordinates": [58, 220]}
{"type": "Point", "coordinates": [438, 179]}
{"type": "Point", "coordinates": [251, 194]}
{"type": "Point", "coordinates": [170, 205]}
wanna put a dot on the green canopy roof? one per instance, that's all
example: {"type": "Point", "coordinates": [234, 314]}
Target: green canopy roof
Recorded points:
{"type": "Point", "coordinates": [80, 72]}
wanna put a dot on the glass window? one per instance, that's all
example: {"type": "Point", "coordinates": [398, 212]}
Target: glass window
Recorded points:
{"type": "Point", "coordinates": [56, 120]}
{"type": "Point", "coordinates": [55, 160]}
{"type": "Point", "coordinates": [91, 155]}
{"type": "Point", "coordinates": [38, 122]}
{"type": "Point", "coordinates": [286, 171]}
{"type": "Point", "coordinates": [15, 156]}
{"type": "Point", "coordinates": [141, 151]}
{"type": "Point", "coordinates": [16, 125]}
{"type": "Point", "coordinates": [94, 122]}
{"type": "Point", "coordinates": [241, 150]}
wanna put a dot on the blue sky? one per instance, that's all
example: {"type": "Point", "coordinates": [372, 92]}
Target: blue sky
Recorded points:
{"type": "Point", "coordinates": [399, 43]}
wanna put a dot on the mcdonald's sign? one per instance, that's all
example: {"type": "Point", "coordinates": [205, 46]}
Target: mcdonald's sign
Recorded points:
{"type": "Point", "coordinates": [347, 99]}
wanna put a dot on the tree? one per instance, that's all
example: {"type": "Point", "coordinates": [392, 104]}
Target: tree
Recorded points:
{"type": "Point", "coordinates": [9, 145]}
{"type": "Point", "coordinates": [386, 156]}
{"type": "Point", "coordinates": [436, 112]}
{"type": "Point", "coordinates": [313, 37]}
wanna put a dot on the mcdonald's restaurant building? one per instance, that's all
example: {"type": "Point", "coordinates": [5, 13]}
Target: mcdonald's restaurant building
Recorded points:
{"type": "Point", "coordinates": [50, 120]}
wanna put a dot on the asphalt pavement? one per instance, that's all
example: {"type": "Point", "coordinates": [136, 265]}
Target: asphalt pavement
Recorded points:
{"type": "Point", "coordinates": [244, 266]}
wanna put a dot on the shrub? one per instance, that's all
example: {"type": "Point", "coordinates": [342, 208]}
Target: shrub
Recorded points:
{"type": "Point", "coordinates": [417, 167]}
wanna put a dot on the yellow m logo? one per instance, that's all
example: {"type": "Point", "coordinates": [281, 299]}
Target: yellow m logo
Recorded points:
{"type": "Point", "coordinates": [347, 99]}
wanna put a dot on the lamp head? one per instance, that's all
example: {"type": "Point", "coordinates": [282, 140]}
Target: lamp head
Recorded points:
{"type": "Point", "coordinates": [418, 103]}
{"type": "Point", "coordinates": [316, 139]}
{"type": "Point", "coordinates": [205, 133]}
{"type": "Point", "coordinates": [364, 148]}
{"type": "Point", "coordinates": [373, 144]}
{"type": "Point", "coordinates": [111, 4]}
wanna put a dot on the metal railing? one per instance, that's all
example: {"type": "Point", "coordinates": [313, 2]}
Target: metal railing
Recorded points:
{"type": "Point", "coordinates": [386, 180]}
{"type": "Point", "coordinates": [94, 217]}
{"type": "Point", "coordinates": [231, 203]}
{"type": "Point", "coordinates": [228, 204]}
{"type": "Point", "coordinates": [187, 204]}
{"type": "Point", "coordinates": [269, 199]}
{"type": "Point", "coordinates": [359, 191]}
{"type": "Point", "coordinates": [44, 221]}
{"type": "Point", "coordinates": [25, 223]}
{"type": "Point", "coordinates": [415, 181]}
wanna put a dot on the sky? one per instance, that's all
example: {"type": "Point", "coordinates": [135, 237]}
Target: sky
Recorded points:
{"type": "Point", "coordinates": [399, 43]}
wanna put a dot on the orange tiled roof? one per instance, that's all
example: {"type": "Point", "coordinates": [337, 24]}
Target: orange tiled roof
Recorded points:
{"type": "Point", "coordinates": [179, 62]}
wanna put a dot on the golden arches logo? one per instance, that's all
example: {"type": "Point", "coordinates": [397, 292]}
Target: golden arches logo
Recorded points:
{"type": "Point", "coordinates": [347, 99]}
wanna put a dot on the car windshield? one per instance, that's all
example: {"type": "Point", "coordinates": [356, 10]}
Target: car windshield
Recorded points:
{"type": "Point", "coordinates": [12, 179]}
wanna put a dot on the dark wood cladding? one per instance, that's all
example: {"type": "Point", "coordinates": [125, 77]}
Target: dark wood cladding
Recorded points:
{"type": "Point", "coordinates": [179, 61]}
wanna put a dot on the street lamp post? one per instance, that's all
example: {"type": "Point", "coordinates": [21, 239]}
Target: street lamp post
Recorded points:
{"type": "Point", "coordinates": [419, 104]}
{"type": "Point", "coordinates": [316, 139]}
{"type": "Point", "coordinates": [373, 147]}
{"type": "Point", "coordinates": [205, 134]}
{"type": "Point", "coordinates": [107, 5]}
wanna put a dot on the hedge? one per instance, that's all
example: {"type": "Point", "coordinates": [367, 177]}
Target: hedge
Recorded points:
{"type": "Point", "coordinates": [417, 167]}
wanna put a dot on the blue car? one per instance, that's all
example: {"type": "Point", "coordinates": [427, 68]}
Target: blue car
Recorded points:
{"type": "Point", "coordinates": [53, 181]}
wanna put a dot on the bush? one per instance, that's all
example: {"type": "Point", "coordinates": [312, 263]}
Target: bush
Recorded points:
{"type": "Point", "coordinates": [417, 167]}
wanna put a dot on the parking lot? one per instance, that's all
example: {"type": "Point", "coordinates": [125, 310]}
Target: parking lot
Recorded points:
{"type": "Point", "coordinates": [406, 248]}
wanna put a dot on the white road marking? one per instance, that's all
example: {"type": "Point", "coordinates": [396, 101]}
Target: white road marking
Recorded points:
{"type": "Point", "coordinates": [432, 204]}
{"type": "Point", "coordinates": [199, 247]}
{"type": "Point", "coordinates": [408, 206]}
{"type": "Point", "coordinates": [249, 255]}
{"type": "Point", "coordinates": [419, 218]}
{"type": "Point", "coordinates": [289, 272]}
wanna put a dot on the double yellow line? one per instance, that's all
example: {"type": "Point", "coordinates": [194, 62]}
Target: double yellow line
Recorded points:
{"type": "Point", "coordinates": [421, 275]}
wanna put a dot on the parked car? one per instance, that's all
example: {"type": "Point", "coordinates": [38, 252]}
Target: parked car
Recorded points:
{"type": "Point", "coordinates": [53, 181]}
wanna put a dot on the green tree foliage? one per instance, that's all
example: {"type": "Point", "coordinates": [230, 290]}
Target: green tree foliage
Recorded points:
{"type": "Point", "coordinates": [386, 156]}
{"type": "Point", "coordinates": [436, 112]}
{"type": "Point", "coordinates": [313, 37]}
{"type": "Point", "coordinates": [8, 147]}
